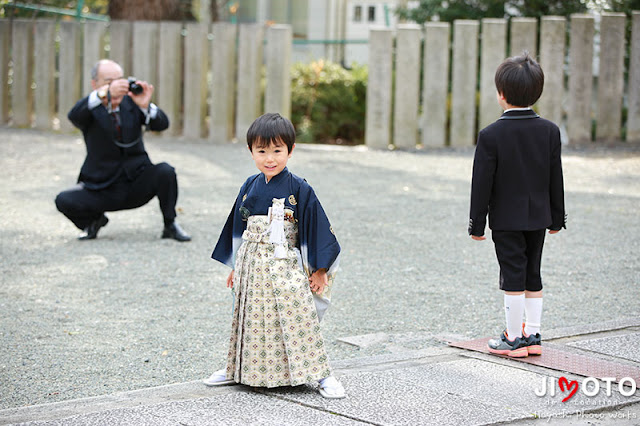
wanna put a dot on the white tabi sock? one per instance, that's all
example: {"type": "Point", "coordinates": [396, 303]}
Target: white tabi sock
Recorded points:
{"type": "Point", "coordinates": [514, 312]}
{"type": "Point", "coordinates": [532, 314]}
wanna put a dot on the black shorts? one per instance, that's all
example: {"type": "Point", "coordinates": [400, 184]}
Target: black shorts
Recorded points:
{"type": "Point", "coordinates": [519, 254]}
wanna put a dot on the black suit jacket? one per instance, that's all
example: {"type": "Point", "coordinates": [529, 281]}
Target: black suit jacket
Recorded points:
{"type": "Point", "coordinates": [105, 161]}
{"type": "Point", "coordinates": [517, 175]}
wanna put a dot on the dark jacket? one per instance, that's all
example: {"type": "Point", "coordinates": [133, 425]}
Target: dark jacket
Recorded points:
{"type": "Point", "coordinates": [517, 175]}
{"type": "Point", "coordinates": [105, 161]}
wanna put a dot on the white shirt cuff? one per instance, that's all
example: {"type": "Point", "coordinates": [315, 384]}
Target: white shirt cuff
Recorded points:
{"type": "Point", "coordinates": [94, 100]}
{"type": "Point", "coordinates": [150, 113]}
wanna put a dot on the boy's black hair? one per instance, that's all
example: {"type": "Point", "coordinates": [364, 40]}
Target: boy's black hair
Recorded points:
{"type": "Point", "coordinates": [520, 80]}
{"type": "Point", "coordinates": [271, 128]}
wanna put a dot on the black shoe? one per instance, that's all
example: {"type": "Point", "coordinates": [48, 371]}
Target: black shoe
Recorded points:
{"type": "Point", "coordinates": [534, 343]}
{"type": "Point", "coordinates": [91, 231]}
{"type": "Point", "coordinates": [174, 231]}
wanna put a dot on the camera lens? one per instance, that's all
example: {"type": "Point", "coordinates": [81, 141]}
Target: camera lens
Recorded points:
{"type": "Point", "coordinates": [134, 87]}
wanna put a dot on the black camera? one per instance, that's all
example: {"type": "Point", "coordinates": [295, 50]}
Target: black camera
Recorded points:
{"type": "Point", "coordinates": [134, 87]}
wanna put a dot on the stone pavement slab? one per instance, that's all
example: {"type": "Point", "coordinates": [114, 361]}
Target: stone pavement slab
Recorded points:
{"type": "Point", "coordinates": [466, 391]}
{"type": "Point", "coordinates": [185, 403]}
{"type": "Point", "coordinates": [625, 346]}
{"type": "Point", "coordinates": [234, 408]}
{"type": "Point", "coordinates": [435, 386]}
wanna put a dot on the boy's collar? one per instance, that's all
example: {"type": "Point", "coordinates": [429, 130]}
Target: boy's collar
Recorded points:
{"type": "Point", "coordinates": [517, 109]}
{"type": "Point", "coordinates": [518, 113]}
{"type": "Point", "coordinates": [283, 173]}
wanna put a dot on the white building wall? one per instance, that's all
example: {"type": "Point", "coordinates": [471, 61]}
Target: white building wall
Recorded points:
{"type": "Point", "coordinates": [320, 20]}
{"type": "Point", "coordinates": [317, 19]}
{"type": "Point", "coordinates": [361, 16]}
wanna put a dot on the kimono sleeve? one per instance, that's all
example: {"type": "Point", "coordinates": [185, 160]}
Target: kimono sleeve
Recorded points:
{"type": "Point", "coordinates": [231, 235]}
{"type": "Point", "coordinates": [318, 244]}
{"type": "Point", "coordinates": [319, 247]}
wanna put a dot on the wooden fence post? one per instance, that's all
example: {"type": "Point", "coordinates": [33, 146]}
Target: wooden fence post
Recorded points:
{"type": "Point", "coordinates": [223, 82]}
{"type": "Point", "coordinates": [22, 57]}
{"type": "Point", "coordinates": [463, 84]}
{"type": "Point", "coordinates": [45, 72]}
{"type": "Point", "coordinates": [407, 93]}
{"type": "Point", "coordinates": [580, 78]}
{"type": "Point", "coordinates": [494, 47]}
{"type": "Point", "coordinates": [378, 114]}
{"type": "Point", "coordinates": [435, 84]}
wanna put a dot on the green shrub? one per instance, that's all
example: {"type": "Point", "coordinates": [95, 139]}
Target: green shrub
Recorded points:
{"type": "Point", "coordinates": [328, 102]}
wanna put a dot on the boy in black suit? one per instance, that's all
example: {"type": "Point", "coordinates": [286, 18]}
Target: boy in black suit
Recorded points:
{"type": "Point", "coordinates": [517, 180]}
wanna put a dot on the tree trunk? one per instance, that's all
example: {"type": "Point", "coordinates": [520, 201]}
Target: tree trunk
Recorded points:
{"type": "Point", "coordinates": [151, 10]}
{"type": "Point", "coordinates": [215, 14]}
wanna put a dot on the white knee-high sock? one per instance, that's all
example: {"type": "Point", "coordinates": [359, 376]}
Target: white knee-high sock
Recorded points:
{"type": "Point", "coordinates": [533, 314]}
{"type": "Point", "coordinates": [514, 312]}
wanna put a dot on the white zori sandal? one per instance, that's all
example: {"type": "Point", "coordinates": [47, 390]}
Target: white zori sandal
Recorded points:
{"type": "Point", "coordinates": [218, 378]}
{"type": "Point", "coordinates": [330, 388]}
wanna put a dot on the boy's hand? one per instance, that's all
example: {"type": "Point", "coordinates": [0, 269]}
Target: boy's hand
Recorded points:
{"type": "Point", "coordinates": [475, 237]}
{"type": "Point", "coordinates": [554, 232]}
{"type": "Point", "coordinates": [318, 281]}
{"type": "Point", "coordinates": [230, 280]}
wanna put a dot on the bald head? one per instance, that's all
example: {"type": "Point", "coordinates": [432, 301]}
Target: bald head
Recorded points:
{"type": "Point", "coordinates": [104, 72]}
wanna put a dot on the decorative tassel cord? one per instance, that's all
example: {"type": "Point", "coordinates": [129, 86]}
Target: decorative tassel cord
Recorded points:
{"type": "Point", "coordinates": [276, 228]}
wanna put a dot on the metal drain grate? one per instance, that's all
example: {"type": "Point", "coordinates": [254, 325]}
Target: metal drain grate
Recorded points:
{"type": "Point", "coordinates": [557, 359]}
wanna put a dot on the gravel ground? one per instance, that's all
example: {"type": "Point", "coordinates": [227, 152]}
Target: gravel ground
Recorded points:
{"type": "Point", "coordinates": [130, 310]}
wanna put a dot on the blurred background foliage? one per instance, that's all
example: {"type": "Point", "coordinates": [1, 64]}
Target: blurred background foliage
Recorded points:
{"type": "Point", "coordinates": [148, 10]}
{"type": "Point", "coordinates": [328, 102]}
{"type": "Point", "coordinates": [449, 10]}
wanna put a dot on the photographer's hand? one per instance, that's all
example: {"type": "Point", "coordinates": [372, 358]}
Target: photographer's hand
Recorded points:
{"type": "Point", "coordinates": [118, 88]}
{"type": "Point", "coordinates": [103, 89]}
{"type": "Point", "coordinates": [143, 99]}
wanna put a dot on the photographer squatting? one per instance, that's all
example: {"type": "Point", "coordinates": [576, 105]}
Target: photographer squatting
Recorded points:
{"type": "Point", "coordinates": [117, 173]}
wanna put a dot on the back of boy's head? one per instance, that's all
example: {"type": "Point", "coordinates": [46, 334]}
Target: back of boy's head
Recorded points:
{"type": "Point", "coordinates": [271, 128]}
{"type": "Point", "coordinates": [520, 80]}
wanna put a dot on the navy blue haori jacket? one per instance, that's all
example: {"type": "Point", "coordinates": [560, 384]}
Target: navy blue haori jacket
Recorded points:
{"type": "Point", "coordinates": [317, 243]}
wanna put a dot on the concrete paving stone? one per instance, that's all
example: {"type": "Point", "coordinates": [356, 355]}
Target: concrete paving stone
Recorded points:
{"type": "Point", "coordinates": [112, 418]}
{"type": "Point", "coordinates": [600, 326]}
{"type": "Point", "coordinates": [381, 398]}
{"type": "Point", "coordinates": [120, 400]}
{"type": "Point", "coordinates": [622, 346]}
{"type": "Point", "coordinates": [379, 361]}
{"type": "Point", "coordinates": [407, 341]}
{"type": "Point", "coordinates": [626, 415]}
{"type": "Point", "coordinates": [459, 392]}
{"type": "Point", "coordinates": [506, 386]}
{"type": "Point", "coordinates": [238, 408]}
{"type": "Point", "coordinates": [365, 340]}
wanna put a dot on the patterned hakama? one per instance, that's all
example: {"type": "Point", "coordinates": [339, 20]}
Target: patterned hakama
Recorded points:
{"type": "Point", "coordinates": [275, 334]}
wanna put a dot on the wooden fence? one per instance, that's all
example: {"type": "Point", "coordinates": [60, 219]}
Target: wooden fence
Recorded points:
{"type": "Point", "coordinates": [457, 102]}
{"type": "Point", "coordinates": [208, 79]}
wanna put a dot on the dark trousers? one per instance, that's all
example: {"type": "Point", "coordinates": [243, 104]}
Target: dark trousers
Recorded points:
{"type": "Point", "coordinates": [83, 206]}
{"type": "Point", "coordinates": [519, 254]}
